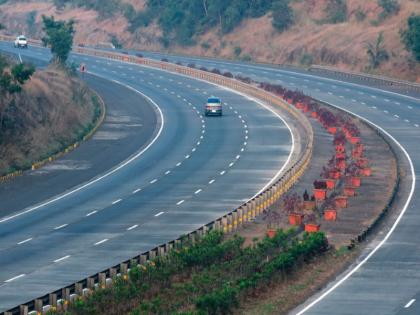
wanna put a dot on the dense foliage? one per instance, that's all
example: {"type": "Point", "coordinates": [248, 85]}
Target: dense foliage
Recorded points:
{"type": "Point", "coordinates": [211, 276]}
{"type": "Point", "coordinates": [59, 37]}
{"type": "Point", "coordinates": [389, 8]}
{"type": "Point", "coordinates": [336, 11]}
{"type": "Point", "coordinates": [12, 77]}
{"type": "Point", "coordinates": [180, 20]}
{"type": "Point", "coordinates": [411, 36]}
{"type": "Point", "coordinates": [105, 8]}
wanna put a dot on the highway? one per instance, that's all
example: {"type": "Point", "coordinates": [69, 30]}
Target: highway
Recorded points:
{"type": "Point", "coordinates": [385, 282]}
{"type": "Point", "coordinates": [385, 279]}
{"type": "Point", "coordinates": [186, 171]}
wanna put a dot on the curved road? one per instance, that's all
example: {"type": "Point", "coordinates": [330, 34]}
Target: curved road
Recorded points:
{"type": "Point", "coordinates": [190, 171]}
{"type": "Point", "coordinates": [388, 281]}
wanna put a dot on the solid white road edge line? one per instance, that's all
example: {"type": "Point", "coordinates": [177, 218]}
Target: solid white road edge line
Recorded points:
{"type": "Point", "coordinates": [409, 303]}
{"type": "Point", "coordinates": [14, 278]}
{"type": "Point", "coordinates": [397, 221]}
{"type": "Point", "coordinates": [61, 259]}
{"type": "Point", "coordinates": [116, 169]}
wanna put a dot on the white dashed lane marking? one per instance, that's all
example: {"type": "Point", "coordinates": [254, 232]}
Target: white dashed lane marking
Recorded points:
{"type": "Point", "coordinates": [101, 242]}
{"type": "Point", "coordinates": [25, 241]}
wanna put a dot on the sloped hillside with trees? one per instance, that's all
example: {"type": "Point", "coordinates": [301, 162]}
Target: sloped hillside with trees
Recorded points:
{"type": "Point", "coordinates": [357, 35]}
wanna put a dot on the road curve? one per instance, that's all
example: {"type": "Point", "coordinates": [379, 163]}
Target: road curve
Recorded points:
{"type": "Point", "coordinates": [388, 281]}
{"type": "Point", "coordinates": [196, 170]}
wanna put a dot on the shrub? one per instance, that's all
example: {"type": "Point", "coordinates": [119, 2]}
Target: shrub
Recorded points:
{"type": "Point", "coordinates": [320, 184]}
{"type": "Point", "coordinates": [360, 15]}
{"type": "Point", "coordinates": [228, 74]}
{"type": "Point", "coordinates": [411, 36]}
{"type": "Point", "coordinates": [336, 11]}
{"type": "Point", "coordinates": [389, 8]}
{"type": "Point", "coordinates": [237, 51]}
{"type": "Point", "coordinates": [282, 15]}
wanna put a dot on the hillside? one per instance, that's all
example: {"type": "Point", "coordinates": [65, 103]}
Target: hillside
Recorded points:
{"type": "Point", "coordinates": [52, 112]}
{"type": "Point", "coordinates": [316, 37]}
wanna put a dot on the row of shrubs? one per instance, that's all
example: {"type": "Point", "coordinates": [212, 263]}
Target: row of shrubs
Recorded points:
{"type": "Point", "coordinates": [211, 276]}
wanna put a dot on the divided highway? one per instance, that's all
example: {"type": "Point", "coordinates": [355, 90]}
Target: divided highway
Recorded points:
{"type": "Point", "coordinates": [386, 278]}
{"type": "Point", "coordinates": [386, 283]}
{"type": "Point", "coordinates": [188, 171]}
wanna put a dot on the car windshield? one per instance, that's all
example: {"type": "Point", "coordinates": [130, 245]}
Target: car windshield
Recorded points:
{"type": "Point", "coordinates": [213, 101]}
{"type": "Point", "coordinates": [21, 38]}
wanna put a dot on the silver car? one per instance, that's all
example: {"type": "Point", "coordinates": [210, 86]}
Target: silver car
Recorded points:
{"type": "Point", "coordinates": [213, 107]}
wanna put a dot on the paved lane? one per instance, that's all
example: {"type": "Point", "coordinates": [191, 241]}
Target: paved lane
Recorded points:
{"type": "Point", "coordinates": [388, 283]}
{"type": "Point", "coordinates": [197, 169]}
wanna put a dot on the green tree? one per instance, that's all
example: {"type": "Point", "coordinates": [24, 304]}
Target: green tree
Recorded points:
{"type": "Point", "coordinates": [11, 80]}
{"type": "Point", "coordinates": [377, 52]}
{"type": "Point", "coordinates": [336, 11]}
{"type": "Point", "coordinates": [411, 36]}
{"type": "Point", "coordinates": [282, 15]}
{"type": "Point", "coordinates": [59, 36]}
{"type": "Point", "coordinates": [389, 8]}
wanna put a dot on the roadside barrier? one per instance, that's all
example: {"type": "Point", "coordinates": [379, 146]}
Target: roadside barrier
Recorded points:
{"type": "Point", "coordinates": [60, 299]}
{"type": "Point", "coordinates": [364, 77]}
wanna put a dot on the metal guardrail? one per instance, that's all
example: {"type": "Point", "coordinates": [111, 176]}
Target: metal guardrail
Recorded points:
{"type": "Point", "coordinates": [60, 299]}
{"type": "Point", "coordinates": [380, 80]}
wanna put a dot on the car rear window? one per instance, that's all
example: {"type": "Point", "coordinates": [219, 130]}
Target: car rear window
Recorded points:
{"type": "Point", "coordinates": [213, 101]}
{"type": "Point", "coordinates": [22, 38]}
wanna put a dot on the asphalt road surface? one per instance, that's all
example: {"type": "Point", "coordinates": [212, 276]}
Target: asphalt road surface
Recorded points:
{"type": "Point", "coordinates": [387, 281]}
{"type": "Point", "coordinates": [155, 170]}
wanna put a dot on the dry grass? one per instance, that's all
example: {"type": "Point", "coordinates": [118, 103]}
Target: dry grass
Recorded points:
{"type": "Point", "coordinates": [51, 113]}
{"type": "Point", "coordinates": [341, 45]}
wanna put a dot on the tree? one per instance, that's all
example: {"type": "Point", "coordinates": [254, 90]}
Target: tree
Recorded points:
{"type": "Point", "coordinates": [389, 7]}
{"type": "Point", "coordinates": [336, 11]}
{"type": "Point", "coordinates": [376, 52]}
{"type": "Point", "coordinates": [59, 36]}
{"type": "Point", "coordinates": [11, 80]}
{"type": "Point", "coordinates": [282, 15]}
{"type": "Point", "coordinates": [411, 36]}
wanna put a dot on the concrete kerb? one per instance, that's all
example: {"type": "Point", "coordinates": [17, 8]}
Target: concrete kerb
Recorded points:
{"type": "Point", "coordinates": [227, 223]}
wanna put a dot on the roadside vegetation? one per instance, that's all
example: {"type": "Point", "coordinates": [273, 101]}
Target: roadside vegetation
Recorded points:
{"type": "Point", "coordinates": [214, 275]}
{"type": "Point", "coordinates": [43, 112]}
{"type": "Point", "coordinates": [411, 36]}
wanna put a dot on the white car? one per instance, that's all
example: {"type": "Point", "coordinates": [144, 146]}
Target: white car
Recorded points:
{"type": "Point", "coordinates": [213, 107]}
{"type": "Point", "coordinates": [21, 42]}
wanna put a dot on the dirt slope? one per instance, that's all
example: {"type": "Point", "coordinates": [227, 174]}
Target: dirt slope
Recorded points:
{"type": "Point", "coordinates": [342, 45]}
{"type": "Point", "coordinates": [52, 112]}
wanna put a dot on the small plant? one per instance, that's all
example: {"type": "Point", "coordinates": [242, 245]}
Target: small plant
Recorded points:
{"type": "Point", "coordinates": [228, 74]}
{"type": "Point", "coordinates": [360, 15]}
{"type": "Point", "coordinates": [273, 218]}
{"type": "Point", "coordinates": [320, 184]}
{"type": "Point", "coordinates": [305, 196]}
{"type": "Point", "coordinates": [140, 55]}
{"type": "Point", "coordinates": [179, 63]}
{"type": "Point", "coordinates": [191, 65]}
{"type": "Point", "coordinates": [340, 138]}
{"type": "Point", "coordinates": [311, 218]}
{"type": "Point", "coordinates": [237, 51]}
{"type": "Point", "coordinates": [292, 203]}
{"type": "Point", "coordinates": [376, 52]}
{"type": "Point", "coordinates": [204, 69]}
{"type": "Point", "coordinates": [353, 169]}
{"type": "Point", "coordinates": [164, 60]}
{"type": "Point", "coordinates": [389, 8]}
{"type": "Point", "coordinates": [216, 71]}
